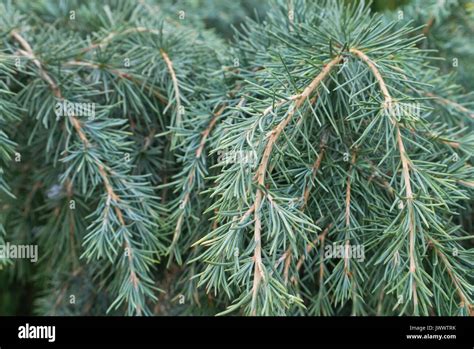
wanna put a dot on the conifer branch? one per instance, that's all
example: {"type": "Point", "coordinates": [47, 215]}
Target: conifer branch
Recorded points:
{"type": "Point", "coordinates": [74, 121]}
{"type": "Point", "coordinates": [307, 191]}
{"type": "Point", "coordinates": [245, 187]}
{"type": "Point", "coordinates": [103, 170]}
{"type": "Point", "coordinates": [449, 269]}
{"type": "Point", "coordinates": [347, 214]}
{"type": "Point", "coordinates": [112, 35]}
{"type": "Point", "coordinates": [120, 74]}
{"type": "Point", "coordinates": [388, 106]}
{"type": "Point", "coordinates": [190, 180]}
{"type": "Point", "coordinates": [448, 102]}
{"type": "Point", "coordinates": [177, 94]}
{"type": "Point", "coordinates": [315, 169]}
{"type": "Point", "coordinates": [262, 169]}
{"type": "Point", "coordinates": [46, 77]}
{"type": "Point", "coordinates": [319, 240]}
{"type": "Point", "coordinates": [28, 52]}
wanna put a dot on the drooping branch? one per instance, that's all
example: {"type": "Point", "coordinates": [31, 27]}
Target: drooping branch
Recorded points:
{"type": "Point", "coordinates": [120, 74]}
{"type": "Point", "coordinates": [433, 243]}
{"type": "Point", "coordinates": [388, 107]}
{"type": "Point", "coordinates": [191, 177]}
{"type": "Point", "coordinates": [262, 169]}
{"type": "Point", "coordinates": [174, 79]}
{"type": "Point", "coordinates": [28, 52]}
{"type": "Point", "coordinates": [320, 239]}
{"type": "Point", "coordinates": [464, 299]}
{"type": "Point", "coordinates": [347, 213]}
{"type": "Point", "coordinates": [314, 171]}
{"type": "Point", "coordinates": [448, 102]}
{"type": "Point", "coordinates": [58, 94]}
{"type": "Point", "coordinates": [104, 42]}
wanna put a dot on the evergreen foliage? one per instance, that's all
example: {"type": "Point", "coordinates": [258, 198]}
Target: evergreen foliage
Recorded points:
{"type": "Point", "coordinates": [210, 176]}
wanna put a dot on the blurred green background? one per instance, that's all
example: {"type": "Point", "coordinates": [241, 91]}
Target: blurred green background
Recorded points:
{"type": "Point", "coordinates": [223, 14]}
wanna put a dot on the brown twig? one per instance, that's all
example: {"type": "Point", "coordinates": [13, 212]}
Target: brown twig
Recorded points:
{"type": "Point", "coordinates": [432, 243]}
{"type": "Point", "coordinates": [121, 75]}
{"type": "Point", "coordinates": [112, 35]}
{"type": "Point", "coordinates": [262, 168]}
{"type": "Point", "coordinates": [448, 102]}
{"type": "Point", "coordinates": [428, 26]}
{"type": "Point", "coordinates": [454, 278]}
{"type": "Point", "coordinates": [28, 52]}
{"type": "Point", "coordinates": [307, 191]}
{"type": "Point", "coordinates": [388, 102]}
{"type": "Point", "coordinates": [309, 248]}
{"type": "Point", "coordinates": [347, 214]}
{"type": "Point", "coordinates": [174, 79]}
{"type": "Point", "coordinates": [190, 180]}
{"type": "Point", "coordinates": [315, 169]}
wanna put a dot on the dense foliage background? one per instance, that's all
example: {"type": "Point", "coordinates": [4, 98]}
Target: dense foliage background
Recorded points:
{"type": "Point", "coordinates": [144, 174]}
